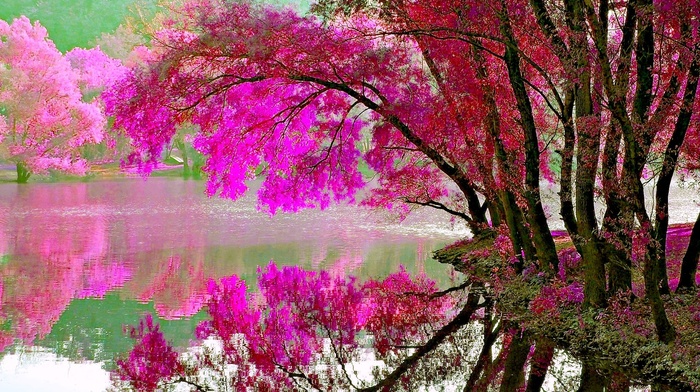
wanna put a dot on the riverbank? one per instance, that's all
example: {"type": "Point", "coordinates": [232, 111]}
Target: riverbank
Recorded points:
{"type": "Point", "coordinates": [99, 171]}
{"type": "Point", "coordinates": [619, 339]}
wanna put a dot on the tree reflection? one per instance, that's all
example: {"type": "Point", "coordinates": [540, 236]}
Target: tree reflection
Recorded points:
{"type": "Point", "coordinates": [49, 263]}
{"type": "Point", "coordinates": [67, 246]}
{"type": "Point", "coordinates": [306, 329]}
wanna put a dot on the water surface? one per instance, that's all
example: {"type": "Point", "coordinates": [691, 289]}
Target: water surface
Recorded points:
{"type": "Point", "coordinates": [80, 260]}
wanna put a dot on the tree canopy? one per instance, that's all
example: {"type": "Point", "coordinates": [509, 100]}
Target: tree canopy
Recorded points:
{"type": "Point", "coordinates": [43, 118]}
{"type": "Point", "coordinates": [471, 107]}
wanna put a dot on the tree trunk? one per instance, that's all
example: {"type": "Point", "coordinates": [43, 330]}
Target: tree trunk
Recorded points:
{"type": "Point", "coordinates": [689, 267]}
{"type": "Point", "coordinates": [663, 185]}
{"type": "Point", "coordinates": [484, 357]}
{"type": "Point", "coordinates": [664, 329]}
{"type": "Point", "coordinates": [591, 380]}
{"type": "Point", "coordinates": [539, 364]}
{"type": "Point", "coordinates": [513, 372]}
{"type": "Point", "coordinates": [23, 173]}
{"type": "Point", "coordinates": [539, 227]}
{"type": "Point", "coordinates": [618, 221]}
{"type": "Point", "coordinates": [462, 318]}
{"type": "Point", "coordinates": [490, 372]}
{"type": "Point", "coordinates": [618, 382]}
{"type": "Point", "coordinates": [186, 172]}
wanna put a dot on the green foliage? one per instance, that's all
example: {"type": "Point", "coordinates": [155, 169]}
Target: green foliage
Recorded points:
{"type": "Point", "coordinates": [71, 23]}
{"type": "Point", "coordinates": [457, 253]}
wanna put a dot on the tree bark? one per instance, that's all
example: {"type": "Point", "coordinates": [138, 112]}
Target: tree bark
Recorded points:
{"type": "Point", "coordinates": [462, 318]}
{"type": "Point", "coordinates": [618, 382]}
{"type": "Point", "coordinates": [671, 154]}
{"type": "Point", "coordinates": [591, 380]}
{"type": "Point", "coordinates": [689, 266]}
{"type": "Point", "coordinates": [539, 365]}
{"type": "Point", "coordinates": [618, 221]}
{"type": "Point", "coordinates": [587, 157]}
{"type": "Point", "coordinates": [541, 234]}
{"type": "Point", "coordinates": [186, 171]}
{"type": "Point", "coordinates": [484, 359]}
{"type": "Point", "coordinates": [513, 372]}
{"type": "Point", "coordinates": [512, 213]}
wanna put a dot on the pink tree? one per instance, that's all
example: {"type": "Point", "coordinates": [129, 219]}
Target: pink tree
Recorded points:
{"type": "Point", "coordinates": [43, 118]}
{"type": "Point", "coordinates": [469, 106]}
{"type": "Point", "coordinates": [95, 69]}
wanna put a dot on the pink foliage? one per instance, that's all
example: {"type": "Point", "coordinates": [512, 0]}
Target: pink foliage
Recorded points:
{"type": "Point", "coordinates": [556, 296]}
{"type": "Point", "coordinates": [283, 332]}
{"type": "Point", "coordinates": [268, 106]}
{"type": "Point", "coordinates": [400, 308]}
{"type": "Point", "coordinates": [45, 119]}
{"type": "Point", "coordinates": [628, 317]}
{"type": "Point", "coordinates": [95, 69]}
{"type": "Point", "coordinates": [151, 360]}
{"type": "Point", "coordinates": [179, 289]}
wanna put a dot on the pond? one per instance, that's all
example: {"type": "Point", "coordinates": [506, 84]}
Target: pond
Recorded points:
{"type": "Point", "coordinates": [80, 260]}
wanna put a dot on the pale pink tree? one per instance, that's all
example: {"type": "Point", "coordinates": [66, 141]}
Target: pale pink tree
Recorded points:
{"type": "Point", "coordinates": [44, 118]}
{"type": "Point", "coordinates": [95, 69]}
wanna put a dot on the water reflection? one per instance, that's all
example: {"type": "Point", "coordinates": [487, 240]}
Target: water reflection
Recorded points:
{"type": "Point", "coordinates": [79, 260]}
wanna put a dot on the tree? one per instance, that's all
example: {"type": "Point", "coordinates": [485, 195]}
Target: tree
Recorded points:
{"type": "Point", "coordinates": [44, 117]}
{"type": "Point", "coordinates": [472, 107]}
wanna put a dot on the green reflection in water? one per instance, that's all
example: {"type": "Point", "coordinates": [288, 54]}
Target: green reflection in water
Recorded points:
{"type": "Point", "coordinates": [92, 329]}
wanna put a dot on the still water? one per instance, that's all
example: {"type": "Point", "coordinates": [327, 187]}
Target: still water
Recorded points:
{"type": "Point", "coordinates": [80, 260]}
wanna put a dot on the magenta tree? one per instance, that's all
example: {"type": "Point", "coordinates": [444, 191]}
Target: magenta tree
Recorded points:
{"type": "Point", "coordinates": [472, 108]}
{"type": "Point", "coordinates": [43, 119]}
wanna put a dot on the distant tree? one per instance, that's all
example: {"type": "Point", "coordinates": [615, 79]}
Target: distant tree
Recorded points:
{"type": "Point", "coordinates": [120, 43]}
{"type": "Point", "coordinates": [44, 119]}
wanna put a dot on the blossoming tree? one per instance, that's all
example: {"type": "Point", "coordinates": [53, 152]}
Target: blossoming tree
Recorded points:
{"type": "Point", "coordinates": [43, 119]}
{"type": "Point", "coordinates": [472, 107]}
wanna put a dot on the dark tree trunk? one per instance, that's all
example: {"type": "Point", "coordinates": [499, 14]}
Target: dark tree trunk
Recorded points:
{"type": "Point", "coordinates": [671, 154]}
{"type": "Point", "coordinates": [539, 364]}
{"type": "Point", "coordinates": [490, 372]}
{"type": "Point", "coordinates": [512, 213]}
{"type": "Point", "coordinates": [484, 357]}
{"type": "Point", "coordinates": [462, 318]}
{"type": "Point", "coordinates": [513, 372]}
{"type": "Point", "coordinates": [587, 157]}
{"type": "Point", "coordinates": [618, 382]}
{"type": "Point", "coordinates": [689, 267]}
{"type": "Point", "coordinates": [591, 380]}
{"type": "Point", "coordinates": [618, 221]}
{"type": "Point", "coordinates": [664, 328]}
{"type": "Point", "coordinates": [541, 234]}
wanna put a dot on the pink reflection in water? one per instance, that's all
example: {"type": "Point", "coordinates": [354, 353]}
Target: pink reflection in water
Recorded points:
{"type": "Point", "coordinates": [179, 289]}
{"type": "Point", "coordinates": [51, 258]}
{"type": "Point", "coordinates": [160, 241]}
